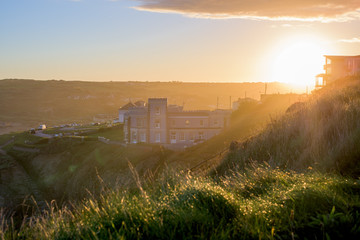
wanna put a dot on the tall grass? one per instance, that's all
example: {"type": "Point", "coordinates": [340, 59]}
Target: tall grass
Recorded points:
{"type": "Point", "coordinates": [280, 184]}
{"type": "Point", "coordinates": [260, 203]}
{"type": "Point", "coordinates": [323, 133]}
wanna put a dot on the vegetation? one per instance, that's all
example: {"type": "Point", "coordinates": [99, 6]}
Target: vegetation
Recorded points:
{"type": "Point", "coordinates": [323, 133]}
{"type": "Point", "coordinates": [114, 133]}
{"type": "Point", "coordinates": [249, 119]}
{"type": "Point", "coordinates": [259, 203]}
{"type": "Point", "coordinates": [297, 178]}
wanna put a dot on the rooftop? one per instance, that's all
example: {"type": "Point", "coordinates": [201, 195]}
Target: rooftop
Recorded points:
{"type": "Point", "coordinates": [127, 106]}
{"type": "Point", "coordinates": [340, 57]}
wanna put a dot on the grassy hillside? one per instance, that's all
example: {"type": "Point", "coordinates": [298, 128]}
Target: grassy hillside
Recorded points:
{"type": "Point", "coordinates": [258, 203]}
{"type": "Point", "coordinates": [249, 119]}
{"type": "Point", "coordinates": [28, 103]}
{"type": "Point", "coordinates": [65, 169]}
{"type": "Point", "coordinates": [323, 133]}
{"type": "Point", "coordinates": [298, 178]}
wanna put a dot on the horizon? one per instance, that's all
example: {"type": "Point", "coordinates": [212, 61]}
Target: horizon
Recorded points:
{"type": "Point", "coordinates": [293, 88]}
{"type": "Point", "coordinates": [100, 40]}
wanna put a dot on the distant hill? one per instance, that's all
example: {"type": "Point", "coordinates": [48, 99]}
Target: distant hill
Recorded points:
{"type": "Point", "coordinates": [28, 103]}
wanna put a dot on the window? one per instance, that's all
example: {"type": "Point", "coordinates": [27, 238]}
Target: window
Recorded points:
{"type": "Point", "coordinates": [187, 122]}
{"type": "Point", "coordinates": [172, 137]}
{"type": "Point", "coordinates": [134, 137]}
{"type": "Point", "coordinates": [157, 123]}
{"type": "Point", "coordinates": [182, 136]}
{"type": "Point", "coordinates": [143, 137]}
{"type": "Point", "coordinates": [201, 122]}
{"type": "Point", "coordinates": [157, 137]}
{"type": "Point", "coordinates": [191, 136]}
{"type": "Point", "coordinates": [157, 110]}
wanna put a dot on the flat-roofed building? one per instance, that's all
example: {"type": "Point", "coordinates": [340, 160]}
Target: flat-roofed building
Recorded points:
{"type": "Point", "coordinates": [337, 67]}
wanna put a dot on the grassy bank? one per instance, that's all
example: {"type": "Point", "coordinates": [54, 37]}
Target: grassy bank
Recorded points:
{"type": "Point", "coordinates": [259, 203]}
{"type": "Point", "coordinates": [323, 133]}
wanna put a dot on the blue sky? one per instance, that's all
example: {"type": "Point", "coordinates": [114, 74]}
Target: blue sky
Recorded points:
{"type": "Point", "coordinates": [100, 40]}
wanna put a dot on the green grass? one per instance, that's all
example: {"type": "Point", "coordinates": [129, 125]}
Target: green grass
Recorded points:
{"type": "Point", "coordinates": [23, 139]}
{"type": "Point", "coordinates": [296, 179]}
{"type": "Point", "coordinates": [324, 134]}
{"type": "Point", "coordinates": [115, 133]}
{"type": "Point", "coordinates": [260, 203]}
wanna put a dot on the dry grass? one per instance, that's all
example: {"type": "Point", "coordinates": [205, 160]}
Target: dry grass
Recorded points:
{"type": "Point", "coordinates": [323, 133]}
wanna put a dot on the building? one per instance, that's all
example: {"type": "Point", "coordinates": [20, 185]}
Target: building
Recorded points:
{"type": "Point", "coordinates": [242, 102]}
{"type": "Point", "coordinates": [124, 109]}
{"type": "Point", "coordinates": [157, 122]}
{"type": "Point", "coordinates": [337, 67]}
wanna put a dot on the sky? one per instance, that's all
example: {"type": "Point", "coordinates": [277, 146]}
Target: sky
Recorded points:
{"type": "Point", "coordinates": [175, 40]}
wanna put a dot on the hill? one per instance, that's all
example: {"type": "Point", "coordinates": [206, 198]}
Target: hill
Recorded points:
{"type": "Point", "coordinates": [67, 168]}
{"type": "Point", "coordinates": [322, 133]}
{"type": "Point", "coordinates": [296, 178]}
{"type": "Point", "coordinates": [28, 103]}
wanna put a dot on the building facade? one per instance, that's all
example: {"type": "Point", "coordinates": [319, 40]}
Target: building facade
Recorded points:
{"type": "Point", "coordinates": [159, 123]}
{"type": "Point", "coordinates": [337, 67]}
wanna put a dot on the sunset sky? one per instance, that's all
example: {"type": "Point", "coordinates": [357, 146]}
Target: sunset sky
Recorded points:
{"type": "Point", "coordinates": [175, 40]}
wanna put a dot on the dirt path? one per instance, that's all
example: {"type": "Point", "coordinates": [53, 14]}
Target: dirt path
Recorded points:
{"type": "Point", "coordinates": [44, 135]}
{"type": "Point", "coordinates": [7, 143]}
{"type": "Point", "coordinates": [3, 152]}
{"type": "Point", "coordinates": [23, 149]}
{"type": "Point", "coordinates": [26, 177]}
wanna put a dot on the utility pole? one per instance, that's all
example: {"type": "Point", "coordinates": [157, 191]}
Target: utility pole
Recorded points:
{"type": "Point", "coordinates": [265, 88]}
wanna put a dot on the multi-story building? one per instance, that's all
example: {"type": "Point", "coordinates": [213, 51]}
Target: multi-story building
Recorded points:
{"type": "Point", "coordinates": [156, 122]}
{"type": "Point", "coordinates": [337, 67]}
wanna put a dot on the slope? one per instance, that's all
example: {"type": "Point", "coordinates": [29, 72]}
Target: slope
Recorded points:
{"type": "Point", "coordinates": [323, 133]}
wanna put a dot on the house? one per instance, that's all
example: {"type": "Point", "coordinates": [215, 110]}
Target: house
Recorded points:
{"type": "Point", "coordinates": [337, 67]}
{"type": "Point", "coordinates": [159, 123]}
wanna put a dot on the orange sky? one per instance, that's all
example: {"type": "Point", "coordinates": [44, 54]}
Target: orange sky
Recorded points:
{"type": "Point", "coordinates": [178, 40]}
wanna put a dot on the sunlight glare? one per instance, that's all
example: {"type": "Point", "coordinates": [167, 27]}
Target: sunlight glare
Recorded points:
{"type": "Point", "coordinates": [298, 62]}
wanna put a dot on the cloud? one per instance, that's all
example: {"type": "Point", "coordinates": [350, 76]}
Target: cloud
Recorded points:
{"type": "Point", "coordinates": [351, 40]}
{"type": "Point", "coordinates": [303, 10]}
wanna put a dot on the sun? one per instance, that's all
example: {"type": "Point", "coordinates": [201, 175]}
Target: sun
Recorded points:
{"type": "Point", "coordinates": [297, 62]}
